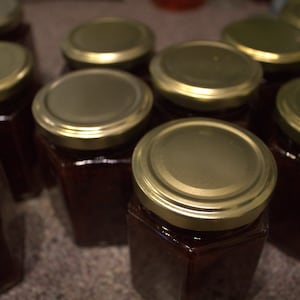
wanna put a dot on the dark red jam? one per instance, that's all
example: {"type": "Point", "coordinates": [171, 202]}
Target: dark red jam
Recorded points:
{"type": "Point", "coordinates": [168, 262]}
{"type": "Point", "coordinates": [178, 4]}
{"type": "Point", "coordinates": [141, 70]}
{"type": "Point", "coordinates": [11, 239]}
{"type": "Point", "coordinates": [285, 205]}
{"type": "Point", "coordinates": [21, 35]}
{"type": "Point", "coordinates": [89, 190]}
{"type": "Point", "coordinates": [17, 150]}
{"type": "Point", "coordinates": [263, 108]}
{"type": "Point", "coordinates": [165, 110]}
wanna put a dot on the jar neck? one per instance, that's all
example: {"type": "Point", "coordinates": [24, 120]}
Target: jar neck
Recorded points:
{"type": "Point", "coordinates": [227, 114]}
{"type": "Point", "coordinates": [177, 233]}
{"type": "Point", "coordinates": [124, 150]}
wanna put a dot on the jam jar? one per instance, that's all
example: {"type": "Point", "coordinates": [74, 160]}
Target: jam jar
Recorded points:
{"type": "Point", "coordinates": [17, 151]}
{"type": "Point", "coordinates": [204, 78]}
{"type": "Point", "coordinates": [285, 145]}
{"type": "Point", "coordinates": [12, 26]}
{"type": "Point", "coordinates": [11, 238]}
{"type": "Point", "coordinates": [276, 45]}
{"type": "Point", "coordinates": [197, 222]}
{"type": "Point", "coordinates": [110, 42]}
{"type": "Point", "coordinates": [88, 122]}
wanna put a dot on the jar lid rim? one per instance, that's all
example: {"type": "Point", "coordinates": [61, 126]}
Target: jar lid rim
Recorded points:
{"type": "Point", "coordinates": [85, 110]}
{"type": "Point", "coordinates": [108, 41]}
{"type": "Point", "coordinates": [205, 75]}
{"type": "Point", "coordinates": [181, 174]}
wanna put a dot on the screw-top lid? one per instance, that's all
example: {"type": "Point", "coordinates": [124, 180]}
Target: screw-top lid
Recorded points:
{"type": "Point", "coordinates": [290, 12]}
{"type": "Point", "coordinates": [10, 15]}
{"type": "Point", "coordinates": [288, 109]}
{"type": "Point", "coordinates": [92, 109]}
{"type": "Point", "coordinates": [108, 42]}
{"type": "Point", "coordinates": [205, 75]}
{"type": "Point", "coordinates": [15, 68]}
{"type": "Point", "coordinates": [203, 174]}
{"type": "Point", "coordinates": [267, 39]}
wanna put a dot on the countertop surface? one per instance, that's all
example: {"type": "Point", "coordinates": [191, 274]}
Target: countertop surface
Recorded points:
{"type": "Point", "coordinates": [54, 267]}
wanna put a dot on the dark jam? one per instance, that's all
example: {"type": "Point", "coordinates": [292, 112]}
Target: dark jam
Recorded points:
{"type": "Point", "coordinates": [89, 190]}
{"type": "Point", "coordinates": [285, 205]}
{"type": "Point", "coordinates": [178, 4]}
{"type": "Point", "coordinates": [11, 239]}
{"type": "Point", "coordinates": [263, 109]}
{"type": "Point", "coordinates": [17, 149]}
{"type": "Point", "coordinates": [165, 110]}
{"type": "Point", "coordinates": [21, 35]}
{"type": "Point", "coordinates": [168, 262]}
{"type": "Point", "coordinates": [138, 68]}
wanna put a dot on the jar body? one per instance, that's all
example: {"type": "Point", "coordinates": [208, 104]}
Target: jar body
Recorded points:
{"type": "Point", "coordinates": [284, 207]}
{"type": "Point", "coordinates": [18, 151]}
{"type": "Point", "coordinates": [11, 238]}
{"type": "Point", "coordinates": [89, 190]}
{"type": "Point", "coordinates": [172, 263]}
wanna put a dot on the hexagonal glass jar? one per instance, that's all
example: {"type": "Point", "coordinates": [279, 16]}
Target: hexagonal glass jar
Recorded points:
{"type": "Point", "coordinates": [197, 222]}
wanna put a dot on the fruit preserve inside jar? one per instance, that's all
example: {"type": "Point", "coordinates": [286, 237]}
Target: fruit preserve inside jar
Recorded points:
{"type": "Point", "coordinates": [11, 238]}
{"type": "Point", "coordinates": [205, 78]}
{"type": "Point", "coordinates": [88, 122]}
{"type": "Point", "coordinates": [197, 222]}
{"type": "Point", "coordinates": [17, 89]}
{"type": "Point", "coordinates": [285, 145]}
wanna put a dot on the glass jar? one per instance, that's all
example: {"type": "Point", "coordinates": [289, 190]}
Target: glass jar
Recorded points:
{"type": "Point", "coordinates": [285, 145]}
{"type": "Point", "coordinates": [17, 151]}
{"type": "Point", "coordinates": [110, 42]}
{"type": "Point", "coordinates": [204, 78]}
{"type": "Point", "coordinates": [197, 223]}
{"type": "Point", "coordinates": [276, 45]}
{"type": "Point", "coordinates": [12, 27]}
{"type": "Point", "coordinates": [11, 238]}
{"type": "Point", "coordinates": [87, 125]}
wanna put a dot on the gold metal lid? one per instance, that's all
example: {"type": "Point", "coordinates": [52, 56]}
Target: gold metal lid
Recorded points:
{"type": "Point", "coordinates": [92, 109]}
{"type": "Point", "coordinates": [108, 42]}
{"type": "Point", "coordinates": [290, 12]}
{"type": "Point", "coordinates": [205, 75]}
{"type": "Point", "coordinates": [267, 39]}
{"type": "Point", "coordinates": [10, 15]}
{"type": "Point", "coordinates": [203, 174]}
{"type": "Point", "coordinates": [15, 68]}
{"type": "Point", "coordinates": [288, 109]}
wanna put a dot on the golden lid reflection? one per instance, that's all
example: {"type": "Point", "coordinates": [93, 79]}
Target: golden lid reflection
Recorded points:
{"type": "Point", "coordinates": [10, 15]}
{"type": "Point", "coordinates": [205, 75]}
{"type": "Point", "coordinates": [203, 174]}
{"type": "Point", "coordinates": [108, 42]}
{"type": "Point", "coordinates": [92, 109]}
{"type": "Point", "coordinates": [265, 38]}
{"type": "Point", "coordinates": [15, 68]}
{"type": "Point", "coordinates": [288, 109]}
